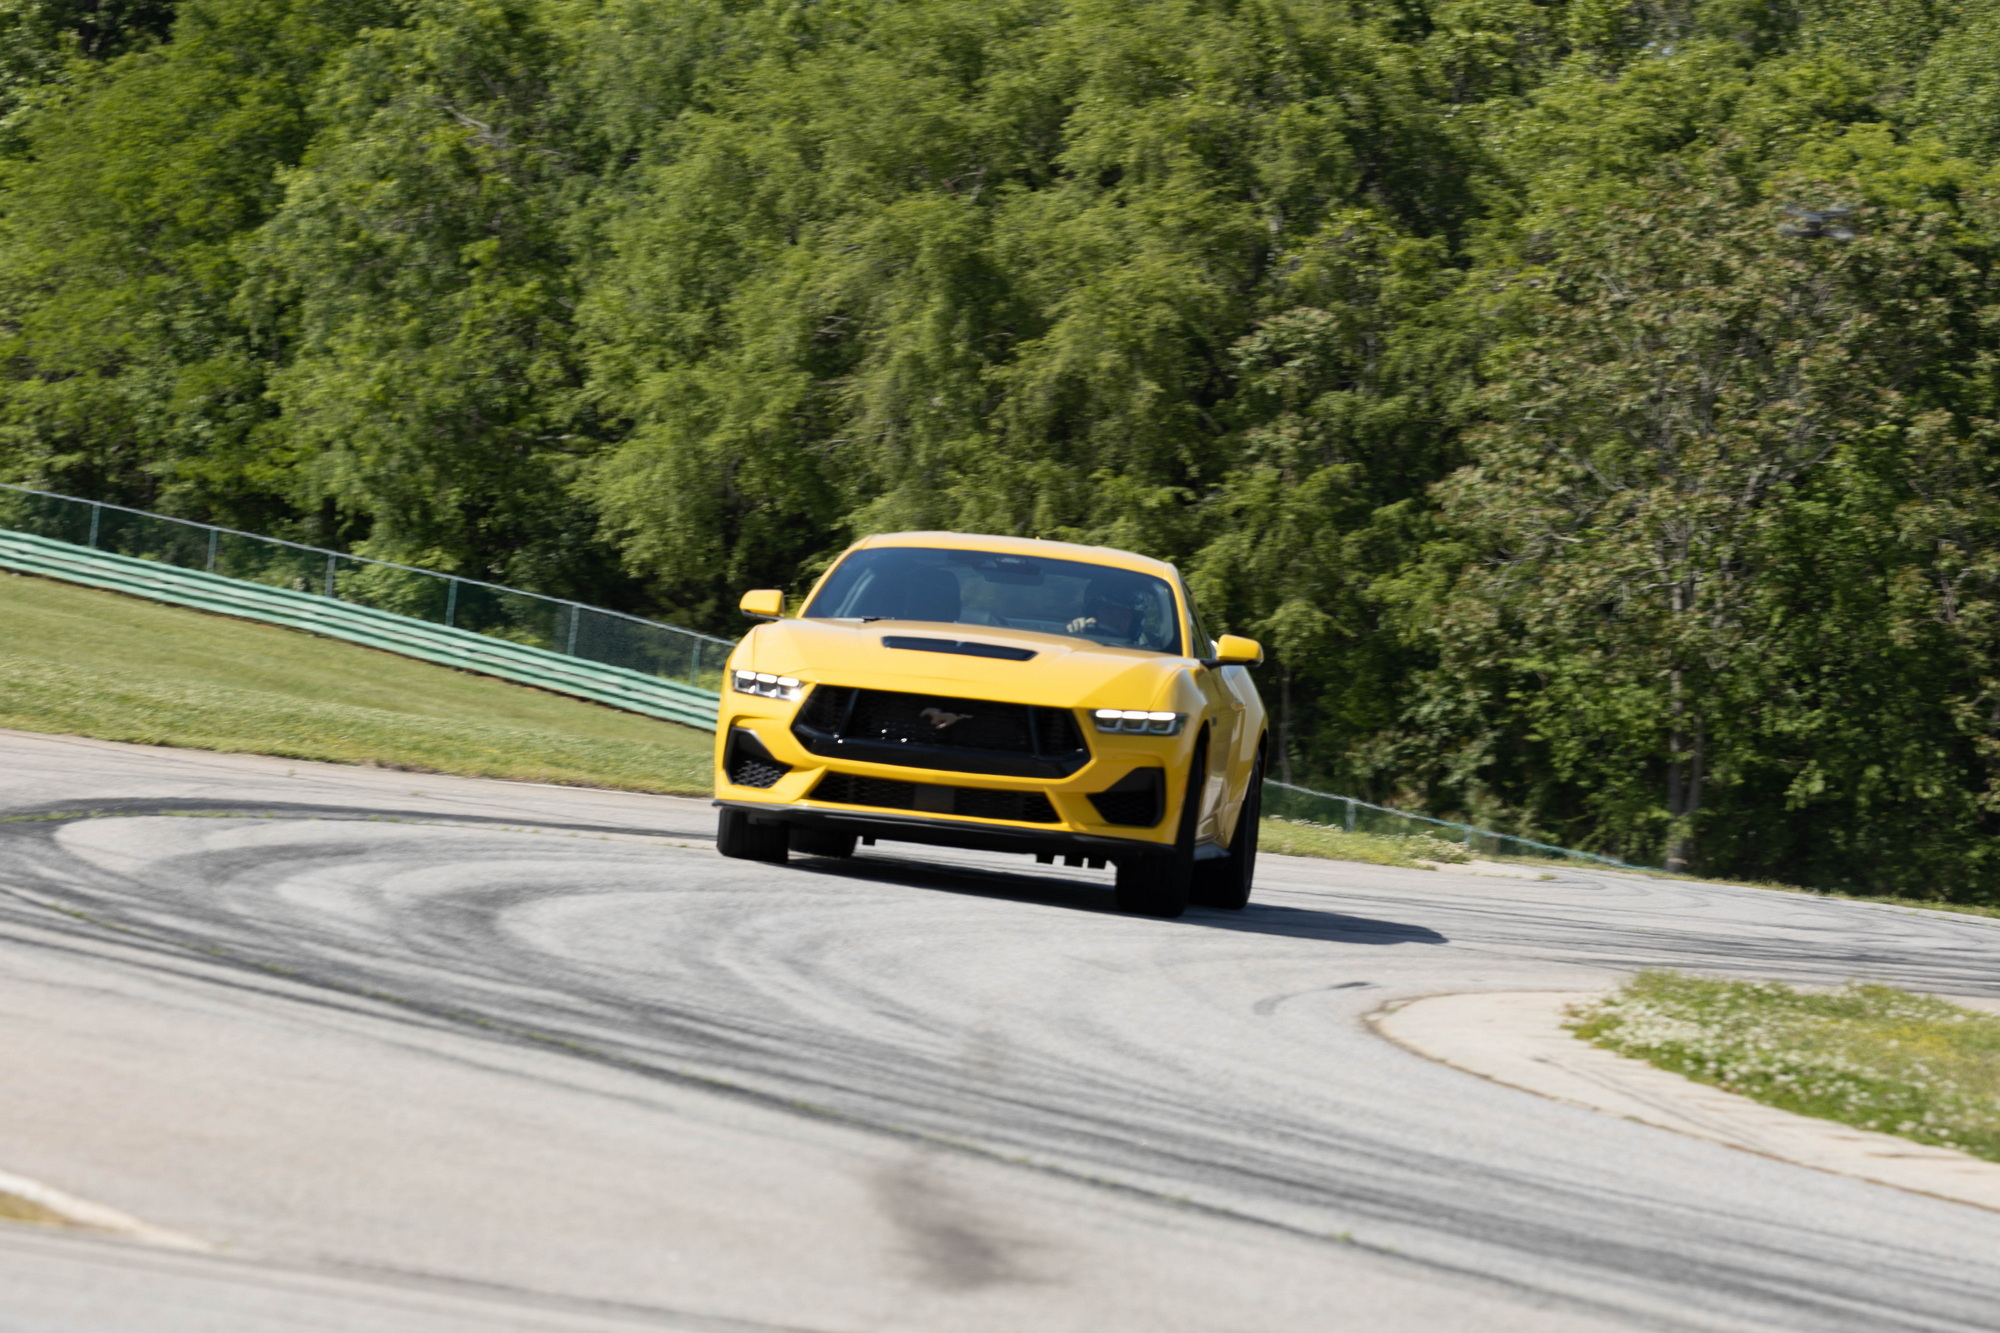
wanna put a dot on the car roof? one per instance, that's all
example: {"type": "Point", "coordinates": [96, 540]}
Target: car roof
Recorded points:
{"type": "Point", "coordinates": [966, 541]}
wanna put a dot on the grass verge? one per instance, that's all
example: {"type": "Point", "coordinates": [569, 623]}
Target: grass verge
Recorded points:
{"type": "Point", "coordinates": [14, 1208]}
{"type": "Point", "coordinates": [1869, 1056]}
{"type": "Point", "coordinates": [1289, 837]}
{"type": "Point", "coordinates": [79, 661]}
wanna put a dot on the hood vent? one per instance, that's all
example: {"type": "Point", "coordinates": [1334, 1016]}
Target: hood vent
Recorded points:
{"type": "Point", "coordinates": [963, 649]}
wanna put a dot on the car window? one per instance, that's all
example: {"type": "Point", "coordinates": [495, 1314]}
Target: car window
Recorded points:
{"type": "Point", "coordinates": [1120, 608]}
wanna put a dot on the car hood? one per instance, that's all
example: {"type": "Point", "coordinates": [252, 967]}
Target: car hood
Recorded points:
{"type": "Point", "coordinates": [1064, 672]}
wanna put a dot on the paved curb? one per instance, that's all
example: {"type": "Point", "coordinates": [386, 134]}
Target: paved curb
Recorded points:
{"type": "Point", "coordinates": [1517, 1038]}
{"type": "Point", "coordinates": [88, 1216]}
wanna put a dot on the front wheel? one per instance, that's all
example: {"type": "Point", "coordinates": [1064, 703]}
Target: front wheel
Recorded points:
{"type": "Point", "coordinates": [1158, 885]}
{"type": "Point", "coordinates": [740, 840]}
{"type": "Point", "coordinates": [1226, 883]}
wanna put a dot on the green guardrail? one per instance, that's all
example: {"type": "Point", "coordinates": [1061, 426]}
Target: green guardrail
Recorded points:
{"type": "Point", "coordinates": [558, 624]}
{"type": "Point", "coordinates": [617, 687]}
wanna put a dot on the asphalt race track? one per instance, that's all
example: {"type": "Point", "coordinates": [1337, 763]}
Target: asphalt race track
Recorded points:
{"type": "Point", "coordinates": [418, 1053]}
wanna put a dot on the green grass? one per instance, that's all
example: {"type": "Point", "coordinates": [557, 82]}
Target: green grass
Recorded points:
{"type": "Point", "coordinates": [82, 662]}
{"type": "Point", "coordinates": [1296, 838]}
{"type": "Point", "coordinates": [1869, 1056]}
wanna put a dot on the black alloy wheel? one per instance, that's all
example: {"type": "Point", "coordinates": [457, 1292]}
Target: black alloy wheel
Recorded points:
{"type": "Point", "coordinates": [1226, 883]}
{"type": "Point", "coordinates": [740, 840]}
{"type": "Point", "coordinates": [1158, 885]}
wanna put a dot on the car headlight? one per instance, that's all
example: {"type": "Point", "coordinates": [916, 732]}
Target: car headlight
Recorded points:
{"type": "Point", "coordinates": [1135, 721]}
{"type": "Point", "coordinates": [767, 686]}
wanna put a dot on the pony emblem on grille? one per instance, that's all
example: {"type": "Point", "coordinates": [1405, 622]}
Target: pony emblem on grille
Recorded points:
{"type": "Point", "coordinates": [939, 719]}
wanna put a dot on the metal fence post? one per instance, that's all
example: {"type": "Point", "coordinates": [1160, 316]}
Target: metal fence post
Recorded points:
{"type": "Point", "coordinates": [1350, 814]}
{"type": "Point", "coordinates": [575, 614]}
{"type": "Point", "coordinates": [329, 575]}
{"type": "Point", "coordinates": [213, 537]}
{"type": "Point", "coordinates": [450, 602]}
{"type": "Point", "coordinates": [96, 512]}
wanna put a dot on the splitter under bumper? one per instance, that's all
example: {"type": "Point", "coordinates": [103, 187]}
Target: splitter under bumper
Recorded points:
{"type": "Point", "coordinates": [898, 827]}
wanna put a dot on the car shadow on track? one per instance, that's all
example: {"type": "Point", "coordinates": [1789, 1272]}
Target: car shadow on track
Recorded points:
{"type": "Point", "coordinates": [1306, 924]}
{"type": "Point", "coordinates": [1085, 896]}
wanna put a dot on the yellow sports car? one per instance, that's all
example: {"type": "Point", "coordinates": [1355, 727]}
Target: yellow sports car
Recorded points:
{"type": "Point", "coordinates": [1004, 694]}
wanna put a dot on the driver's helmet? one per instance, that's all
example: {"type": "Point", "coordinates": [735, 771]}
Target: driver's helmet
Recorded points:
{"type": "Point", "coordinates": [1118, 605]}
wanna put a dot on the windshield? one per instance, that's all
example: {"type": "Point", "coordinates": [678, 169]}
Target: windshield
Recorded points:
{"type": "Point", "coordinates": [1116, 607]}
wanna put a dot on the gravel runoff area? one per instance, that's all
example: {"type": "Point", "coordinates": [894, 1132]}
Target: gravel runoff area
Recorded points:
{"type": "Point", "coordinates": [420, 1053]}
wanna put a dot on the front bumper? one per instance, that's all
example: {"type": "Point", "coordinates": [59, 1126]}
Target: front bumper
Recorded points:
{"type": "Point", "coordinates": [1078, 829]}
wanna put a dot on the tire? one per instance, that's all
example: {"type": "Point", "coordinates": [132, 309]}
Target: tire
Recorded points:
{"type": "Point", "coordinates": [740, 840]}
{"type": "Point", "coordinates": [1158, 885]}
{"type": "Point", "coordinates": [1226, 883]}
{"type": "Point", "coordinates": [822, 842]}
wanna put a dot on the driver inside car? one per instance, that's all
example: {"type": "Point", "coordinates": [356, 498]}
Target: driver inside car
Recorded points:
{"type": "Point", "coordinates": [1110, 612]}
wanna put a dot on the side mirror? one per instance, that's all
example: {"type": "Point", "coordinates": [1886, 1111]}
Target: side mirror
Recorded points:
{"type": "Point", "coordinates": [763, 604]}
{"type": "Point", "coordinates": [1235, 650]}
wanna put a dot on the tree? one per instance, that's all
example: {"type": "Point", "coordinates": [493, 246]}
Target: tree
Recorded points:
{"type": "Point", "coordinates": [417, 284]}
{"type": "Point", "coordinates": [125, 372]}
{"type": "Point", "coordinates": [1355, 402]}
{"type": "Point", "coordinates": [40, 38]}
{"type": "Point", "coordinates": [984, 266]}
{"type": "Point", "coordinates": [1709, 400]}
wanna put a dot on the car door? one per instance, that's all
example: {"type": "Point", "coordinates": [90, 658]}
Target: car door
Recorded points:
{"type": "Point", "coordinates": [1223, 708]}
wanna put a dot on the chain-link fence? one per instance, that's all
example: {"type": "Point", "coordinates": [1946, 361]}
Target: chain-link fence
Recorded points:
{"type": "Point", "coordinates": [1318, 809]}
{"type": "Point", "coordinates": [587, 632]}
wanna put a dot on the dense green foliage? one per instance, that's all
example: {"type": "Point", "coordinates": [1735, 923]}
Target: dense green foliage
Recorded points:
{"type": "Point", "coordinates": [1590, 402]}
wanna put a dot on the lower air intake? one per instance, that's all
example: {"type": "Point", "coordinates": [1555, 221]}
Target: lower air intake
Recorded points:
{"type": "Point", "coordinates": [749, 764]}
{"type": "Point", "coordinates": [1136, 800]}
{"type": "Point", "coordinates": [1024, 807]}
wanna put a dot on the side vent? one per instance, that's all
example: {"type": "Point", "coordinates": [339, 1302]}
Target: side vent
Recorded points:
{"type": "Point", "coordinates": [1136, 800]}
{"type": "Point", "coordinates": [748, 763]}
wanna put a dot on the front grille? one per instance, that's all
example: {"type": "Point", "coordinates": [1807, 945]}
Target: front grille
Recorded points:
{"type": "Point", "coordinates": [825, 708]}
{"type": "Point", "coordinates": [1057, 732]}
{"type": "Point", "coordinates": [941, 731]}
{"type": "Point", "coordinates": [958, 724]}
{"type": "Point", "coordinates": [1027, 807]}
{"type": "Point", "coordinates": [749, 764]}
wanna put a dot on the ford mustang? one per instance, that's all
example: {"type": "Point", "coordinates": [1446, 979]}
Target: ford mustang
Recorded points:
{"type": "Point", "coordinates": [1000, 694]}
